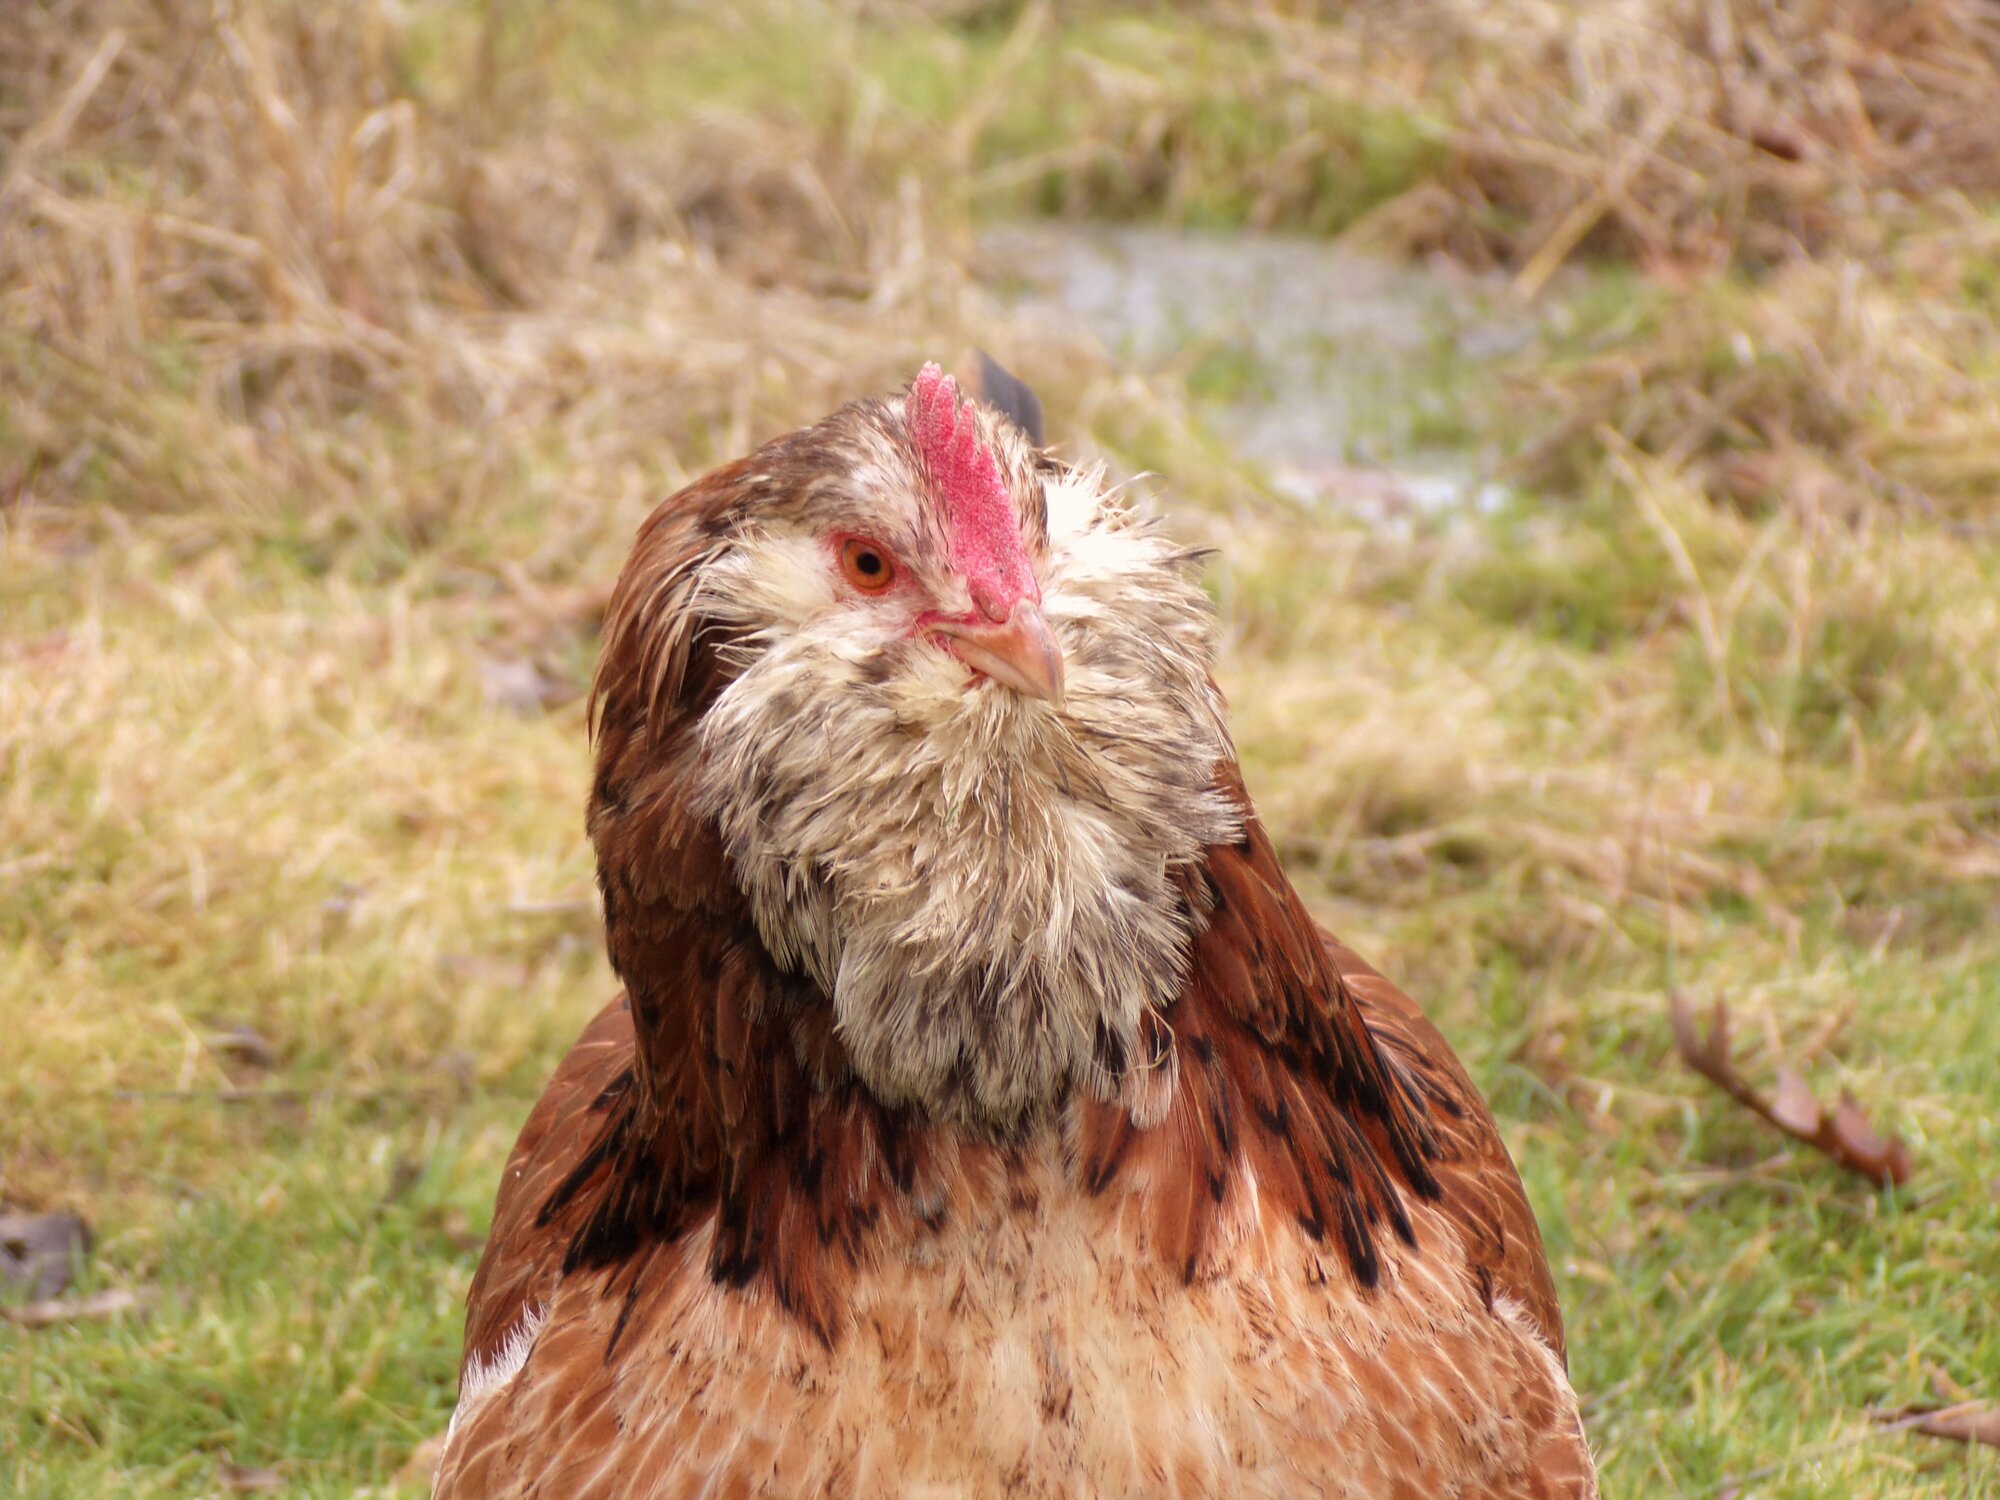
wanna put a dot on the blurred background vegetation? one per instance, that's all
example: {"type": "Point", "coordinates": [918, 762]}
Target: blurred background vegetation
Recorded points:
{"type": "Point", "coordinates": [1609, 527]}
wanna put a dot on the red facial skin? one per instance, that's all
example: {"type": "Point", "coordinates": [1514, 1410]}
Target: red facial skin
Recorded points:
{"type": "Point", "coordinates": [1004, 635]}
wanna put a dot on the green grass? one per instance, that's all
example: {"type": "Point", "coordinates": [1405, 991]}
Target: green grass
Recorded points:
{"type": "Point", "coordinates": [256, 793]}
{"type": "Point", "coordinates": [310, 1327]}
{"type": "Point", "coordinates": [1711, 705]}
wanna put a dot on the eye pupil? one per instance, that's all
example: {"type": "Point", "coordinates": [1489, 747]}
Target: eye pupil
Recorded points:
{"type": "Point", "coordinates": [866, 565]}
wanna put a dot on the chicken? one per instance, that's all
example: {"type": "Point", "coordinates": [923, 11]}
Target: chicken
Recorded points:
{"type": "Point", "coordinates": [983, 1114]}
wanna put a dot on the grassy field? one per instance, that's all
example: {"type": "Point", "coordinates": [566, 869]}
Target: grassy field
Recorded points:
{"type": "Point", "coordinates": [343, 346]}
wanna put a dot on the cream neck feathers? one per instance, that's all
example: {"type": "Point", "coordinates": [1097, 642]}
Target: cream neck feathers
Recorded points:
{"type": "Point", "coordinates": [983, 885]}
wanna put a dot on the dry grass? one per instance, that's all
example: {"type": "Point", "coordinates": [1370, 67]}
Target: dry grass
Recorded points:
{"type": "Point", "coordinates": [1679, 132]}
{"type": "Point", "coordinates": [232, 227]}
{"type": "Point", "coordinates": [341, 348]}
{"type": "Point", "coordinates": [1839, 388]}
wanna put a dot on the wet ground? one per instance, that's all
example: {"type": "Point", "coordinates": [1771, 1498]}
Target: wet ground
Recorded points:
{"type": "Point", "coordinates": [1343, 376]}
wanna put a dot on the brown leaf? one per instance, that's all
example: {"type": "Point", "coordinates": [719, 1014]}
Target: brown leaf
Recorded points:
{"type": "Point", "coordinates": [1842, 1134]}
{"type": "Point", "coordinates": [1966, 1422]}
{"type": "Point", "coordinates": [98, 1306]}
{"type": "Point", "coordinates": [39, 1252]}
{"type": "Point", "coordinates": [1794, 1107]}
{"type": "Point", "coordinates": [1859, 1140]}
{"type": "Point", "coordinates": [245, 1045]}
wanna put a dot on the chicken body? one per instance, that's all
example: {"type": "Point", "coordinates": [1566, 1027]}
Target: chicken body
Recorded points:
{"type": "Point", "coordinates": [984, 1115]}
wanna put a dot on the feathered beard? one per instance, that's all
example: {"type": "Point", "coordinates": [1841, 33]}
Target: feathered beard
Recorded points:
{"type": "Point", "coordinates": [984, 885]}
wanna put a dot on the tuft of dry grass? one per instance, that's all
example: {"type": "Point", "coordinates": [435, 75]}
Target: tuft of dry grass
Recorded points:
{"type": "Point", "coordinates": [1838, 388]}
{"type": "Point", "coordinates": [1682, 133]}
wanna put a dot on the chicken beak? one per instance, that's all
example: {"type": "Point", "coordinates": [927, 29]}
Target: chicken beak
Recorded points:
{"type": "Point", "coordinates": [1020, 651]}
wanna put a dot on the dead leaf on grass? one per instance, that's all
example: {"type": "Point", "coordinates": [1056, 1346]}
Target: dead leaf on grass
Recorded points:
{"type": "Point", "coordinates": [39, 1252]}
{"type": "Point", "coordinates": [95, 1308]}
{"type": "Point", "coordinates": [244, 1044]}
{"type": "Point", "coordinates": [1965, 1422]}
{"type": "Point", "coordinates": [1841, 1133]}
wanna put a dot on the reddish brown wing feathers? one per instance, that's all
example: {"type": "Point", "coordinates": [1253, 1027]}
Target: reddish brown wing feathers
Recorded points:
{"type": "Point", "coordinates": [523, 1256]}
{"type": "Point", "coordinates": [1480, 1189]}
{"type": "Point", "coordinates": [1304, 1065]}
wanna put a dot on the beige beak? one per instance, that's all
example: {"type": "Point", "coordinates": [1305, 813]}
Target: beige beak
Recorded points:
{"type": "Point", "coordinates": [1021, 651]}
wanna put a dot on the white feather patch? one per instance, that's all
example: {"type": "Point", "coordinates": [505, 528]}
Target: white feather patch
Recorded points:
{"type": "Point", "coordinates": [483, 1378]}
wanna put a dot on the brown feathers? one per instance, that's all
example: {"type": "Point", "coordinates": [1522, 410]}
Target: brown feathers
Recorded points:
{"type": "Point", "coordinates": [1302, 1068]}
{"type": "Point", "coordinates": [1200, 1206]}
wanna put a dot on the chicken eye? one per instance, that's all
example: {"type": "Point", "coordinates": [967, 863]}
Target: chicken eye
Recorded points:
{"type": "Point", "coordinates": [867, 566]}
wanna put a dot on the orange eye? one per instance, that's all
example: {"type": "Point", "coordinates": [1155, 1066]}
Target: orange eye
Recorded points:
{"type": "Point", "coordinates": [868, 567]}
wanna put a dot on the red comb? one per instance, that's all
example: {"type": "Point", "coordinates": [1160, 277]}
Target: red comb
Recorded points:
{"type": "Point", "coordinates": [984, 534]}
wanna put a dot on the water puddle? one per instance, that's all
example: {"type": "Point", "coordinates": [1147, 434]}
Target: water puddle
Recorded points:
{"type": "Point", "coordinates": [1341, 375]}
